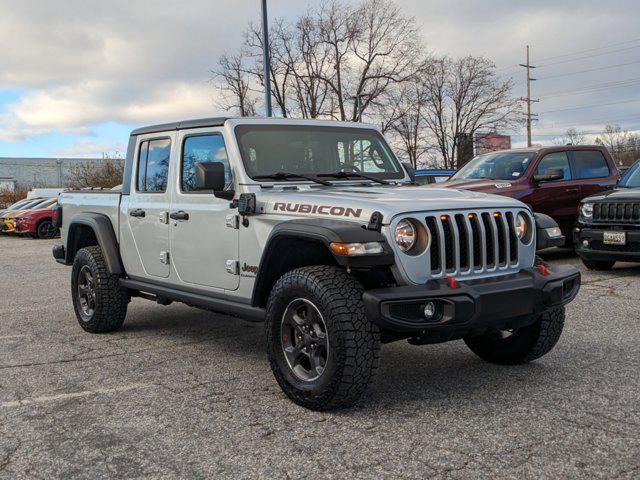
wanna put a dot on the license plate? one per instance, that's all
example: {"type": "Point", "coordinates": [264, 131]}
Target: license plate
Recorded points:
{"type": "Point", "coordinates": [615, 238]}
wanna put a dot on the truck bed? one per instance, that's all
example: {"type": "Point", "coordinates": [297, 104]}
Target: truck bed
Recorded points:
{"type": "Point", "coordinates": [106, 202]}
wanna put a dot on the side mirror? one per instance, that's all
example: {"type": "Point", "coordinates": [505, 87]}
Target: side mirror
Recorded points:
{"type": "Point", "coordinates": [211, 176]}
{"type": "Point", "coordinates": [550, 176]}
{"type": "Point", "coordinates": [410, 171]}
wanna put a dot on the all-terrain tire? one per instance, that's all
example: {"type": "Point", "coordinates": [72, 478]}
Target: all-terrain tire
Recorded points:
{"type": "Point", "coordinates": [354, 342]}
{"type": "Point", "coordinates": [599, 265]}
{"type": "Point", "coordinates": [110, 299]}
{"type": "Point", "coordinates": [525, 344]}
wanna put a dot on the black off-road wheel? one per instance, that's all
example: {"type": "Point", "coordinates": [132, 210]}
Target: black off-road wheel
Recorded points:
{"type": "Point", "coordinates": [600, 265]}
{"type": "Point", "coordinates": [46, 229]}
{"type": "Point", "coordinates": [522, 345]}
{"type": "Point", "coordinates": [322, 349]}
{"type": "Point", "coordinates": [99, 301]}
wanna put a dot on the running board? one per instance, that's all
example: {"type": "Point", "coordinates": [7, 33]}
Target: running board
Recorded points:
{"type": "Point", "coordinates": [196, 299]}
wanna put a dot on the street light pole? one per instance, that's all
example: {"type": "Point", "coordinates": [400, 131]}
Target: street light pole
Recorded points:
{"type": "Point", "coordinates": [266, 60]}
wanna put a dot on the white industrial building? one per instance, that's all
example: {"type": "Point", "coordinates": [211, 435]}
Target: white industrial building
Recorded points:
{"type": "Point", "coordinates": [37, 172]}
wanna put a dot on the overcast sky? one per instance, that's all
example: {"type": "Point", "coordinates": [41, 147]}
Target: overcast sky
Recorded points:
{"type": "Point", "coordinates": [77, 75]}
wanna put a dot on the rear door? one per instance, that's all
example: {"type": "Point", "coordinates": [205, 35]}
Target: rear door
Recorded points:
{"type": "Point", "coordinates": [204, 229]}
{"type": "Point", "coordinates": [147, 213]}
{"type": "Point", "coordinates": [559, 198]}
{"type": "Point", "coordinates": [592, 170]}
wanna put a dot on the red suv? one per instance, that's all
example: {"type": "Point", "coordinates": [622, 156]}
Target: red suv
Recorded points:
{"type": "Point", "coordinates": [37, 223]}
{"type": "Point", "coordinates": [552, 180]}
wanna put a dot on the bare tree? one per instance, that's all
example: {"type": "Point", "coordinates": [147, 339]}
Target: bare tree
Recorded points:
{"type": "Point", "coordinates": [338, 52]}
{"type": "Point", "coordinates": [402, 119]}
{"type": "Point", "coordinates": [623, 145]}
{"type": "Point", "coordinates": [572, 136]}
{"type": "Point", "coordinates": [234, 81]}
{"type": "Point", "coordinates": [465, 97]}
{"type": "Point", "coordinates": [105, 173]}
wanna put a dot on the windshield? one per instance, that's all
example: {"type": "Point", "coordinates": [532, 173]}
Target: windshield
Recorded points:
{"type": "Point", "coordinates": [632, 178]}
{"type": "Point", "coordinates": [43, 204]}
{"type": "Point", "coordinates": [311, 150]}
{"type": "Point", "coordinates": [19, 204]}
{"type": "Point", "coordinates": [496, 166]}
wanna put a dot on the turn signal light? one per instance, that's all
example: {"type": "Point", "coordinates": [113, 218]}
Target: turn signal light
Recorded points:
{"type": "Point", "coordinates": [355, 249]}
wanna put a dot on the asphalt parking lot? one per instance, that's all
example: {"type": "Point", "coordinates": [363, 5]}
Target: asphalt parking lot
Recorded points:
{"type": "Point", "coordinates": [184, 393]}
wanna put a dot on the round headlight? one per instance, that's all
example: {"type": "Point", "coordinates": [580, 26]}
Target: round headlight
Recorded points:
{"type": "Point", "coordinates": [405, 235]}
{"type": "Point", "coordinates": [524, 228]}
{"type": "Point", "coordinates": [587, 210]}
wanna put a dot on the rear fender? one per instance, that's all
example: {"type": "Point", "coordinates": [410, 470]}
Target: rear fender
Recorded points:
{"type": "Point", "coordinates": [94, 229]}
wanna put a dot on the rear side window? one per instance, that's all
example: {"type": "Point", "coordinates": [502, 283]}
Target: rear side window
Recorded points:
{"type": "Point", "coordinates": [153, 165]}
{"type": "Point", "coordinates": [202, 149]}
{"type": "Point", "coordinates": [590, 164]}
{"type": "Point", "coordinates": [555, 161]}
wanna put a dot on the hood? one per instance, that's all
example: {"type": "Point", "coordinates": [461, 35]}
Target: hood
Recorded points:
{"type": "Point", "coordinates": [358, 203]}
{"type": "Point", "coordinates": [480, 185]}
{"type": "Point", "coordinates": [34, 212]}
{"type": "Point", "coordinates": [616, 195]}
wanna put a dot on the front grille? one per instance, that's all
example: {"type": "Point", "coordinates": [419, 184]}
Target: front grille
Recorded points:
{"type": "Point", "coordinates": [616, 212]}
{"type": "Point", "coordinates": [471, 242]}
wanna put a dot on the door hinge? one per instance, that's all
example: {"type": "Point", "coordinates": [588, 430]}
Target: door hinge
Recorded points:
{"type": "Point", "coordinates": [233, 221]}
{"type": "Point", "coordinates": [164, 258]}
{"type": "Point", "coordinates": [233, 267]}
{"type": "Point", "coordinates": [163, 217]}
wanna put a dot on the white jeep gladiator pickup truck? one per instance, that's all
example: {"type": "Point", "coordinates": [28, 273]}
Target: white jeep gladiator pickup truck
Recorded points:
{"type": "Point", "coordinates": [309, 227]}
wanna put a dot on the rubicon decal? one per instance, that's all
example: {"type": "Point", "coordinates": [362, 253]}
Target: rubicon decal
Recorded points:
{"type": "Point", "coordinates": [335, 211]}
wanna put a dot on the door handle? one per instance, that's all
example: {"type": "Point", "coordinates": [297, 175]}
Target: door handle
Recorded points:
{"type": "Point", "coordinates": [572, 190]}
{"type": "Point", "coordinates": [179, 215]}
{"type": "Point", "coordinates": [138, 212]}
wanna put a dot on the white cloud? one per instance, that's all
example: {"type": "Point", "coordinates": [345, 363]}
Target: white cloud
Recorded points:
{"type": "Point", "coordinates": [89, 149]}
{"type": "Point", "coordinates": [79, 63]}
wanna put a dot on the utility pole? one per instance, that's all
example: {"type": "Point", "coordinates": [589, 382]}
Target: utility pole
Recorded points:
{"type": "Point", "coordinates": [529, 100]}
{"type": "Point", "coordinates": [359, 105]}
{"type": "Point", "coordinates": [266, 60]}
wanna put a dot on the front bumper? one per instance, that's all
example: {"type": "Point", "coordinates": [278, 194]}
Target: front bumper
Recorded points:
{"type": "Point", "coordinates": [597, 250]}
{"type": "Point", "coordinates": [8, 226]}
{"type": "Point", "coordinates": [475, 306]}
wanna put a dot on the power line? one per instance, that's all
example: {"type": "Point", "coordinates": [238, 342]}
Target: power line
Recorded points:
{"type": "Point", "coordinates": [591, 106]}
{"type": "Point", "coordinates": [543, 65]}
{"type": "Point", "coordinates": [590, 50]}
{"type": "Point", "coordinates": [594, 87]}
{"type": "Point", "coordinates": [590, 70]}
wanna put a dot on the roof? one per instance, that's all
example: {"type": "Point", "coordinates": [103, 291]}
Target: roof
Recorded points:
{"type": "Point", "coordinates": [220, 121]}
{"type": "Point", "coordinates": [182, 125]}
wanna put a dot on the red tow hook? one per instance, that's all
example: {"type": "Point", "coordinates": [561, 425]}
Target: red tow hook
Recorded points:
{"type": "Point", "coordinates": [543, 270]}
{"type": "Point", "coordinates": [452, 282]}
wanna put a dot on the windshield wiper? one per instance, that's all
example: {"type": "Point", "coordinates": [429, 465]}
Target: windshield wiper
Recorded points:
{"type": "Point", "coordinates": [291, 176]}
{"type": "Point", "coordinates": [347, 175]}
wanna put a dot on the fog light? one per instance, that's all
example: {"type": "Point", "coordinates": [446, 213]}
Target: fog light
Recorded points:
{"type": "Point", "coordinates": [585, 243]}
{"type": "Point", "coordinates": [429, 310]}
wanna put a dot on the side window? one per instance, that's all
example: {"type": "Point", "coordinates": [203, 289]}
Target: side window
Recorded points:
{"type": "Point", "coordinates": [555, 161]}
{"type": "Point", "coordinates": [153, 165]}
{"type": "Point", "coordinates": [201, 149]}
{"type": "Point", "coordinates": [590, 164]}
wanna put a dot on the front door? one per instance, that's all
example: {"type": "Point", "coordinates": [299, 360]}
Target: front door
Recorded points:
{"type": "Point", "coordinates": [559, 198]}
{"type": "Point", "coordinates": [147, 212]}
{"type": "Point", "coordinates": [203, 228]}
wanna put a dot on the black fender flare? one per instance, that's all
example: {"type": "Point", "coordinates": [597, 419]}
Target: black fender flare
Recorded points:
{"type": "Point", "coordinates": [324, 232]}
{"type": "Point", "coordinates": [543, 240]}
{"type": "Point", "coordinates": [105, 235]}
